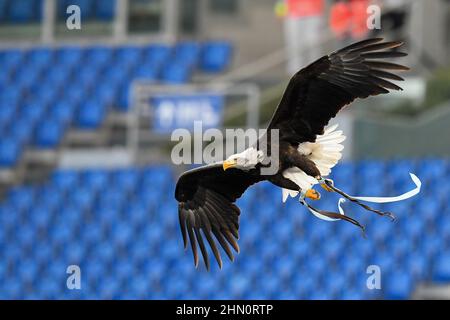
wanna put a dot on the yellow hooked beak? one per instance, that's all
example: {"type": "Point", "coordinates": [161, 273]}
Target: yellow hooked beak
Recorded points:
{"type": "Point", "coordinates": [229, 164]}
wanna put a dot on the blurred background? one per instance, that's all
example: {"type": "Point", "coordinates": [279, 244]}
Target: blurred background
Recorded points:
{"type": "Point", "coordinates": [87, 107]}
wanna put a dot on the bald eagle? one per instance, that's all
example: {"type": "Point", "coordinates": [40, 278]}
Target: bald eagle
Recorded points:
{"type": "Point", "coordinates": [308, 149]}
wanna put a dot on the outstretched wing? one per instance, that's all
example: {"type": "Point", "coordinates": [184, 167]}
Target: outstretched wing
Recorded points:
{"type": "Point", "coordinates": [316, 93]}
{"type": "Point", "coordinates": [206, 197]}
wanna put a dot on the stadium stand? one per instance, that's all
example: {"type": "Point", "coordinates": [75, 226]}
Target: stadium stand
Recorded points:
{"type": "Point", "coordinates": [121, 227]}
{"type": "Point", "coordinates": [44, 102]}
{"type": "Point", "coordinates": [91, 10]}
{"type": "Point", "coordinates": [20, 11]}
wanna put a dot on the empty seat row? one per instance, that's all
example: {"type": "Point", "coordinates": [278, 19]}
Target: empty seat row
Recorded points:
{"type": "Point", "coordinates": [90, 9]}
{"type": "Point", "coordinates": [20, 11]}
{"type": "Point", "coordinates": [211, 56]}
{"type": "Point", "coordinates": [29, 11]}
{"type": "Point", "coordinates": [121, 227]}
{"type": "Point", "coordinates": [43, 91]}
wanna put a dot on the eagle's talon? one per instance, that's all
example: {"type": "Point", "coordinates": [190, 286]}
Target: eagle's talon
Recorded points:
{"type": "Point", "coordinates": [325, 183]}
{"type": "Point", "coordinates": [390, 215]}
{"type": "Point", "coordinates": [312, 194]}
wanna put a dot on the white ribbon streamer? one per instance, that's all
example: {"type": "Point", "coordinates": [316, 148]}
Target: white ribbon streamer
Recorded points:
{"type": "Point", "coordinates": [401, 197]}
{"type": "Point", "coordinates": [320, 216]}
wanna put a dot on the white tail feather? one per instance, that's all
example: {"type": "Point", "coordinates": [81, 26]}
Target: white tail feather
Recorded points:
{"type": "Point", "coordinates": [325, 152]}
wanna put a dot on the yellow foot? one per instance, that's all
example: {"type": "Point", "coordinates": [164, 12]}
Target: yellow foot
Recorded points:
{"type": "Point", "coordinates": [312, 194]}
{"type": "Point", "coordinates": [323, 185]}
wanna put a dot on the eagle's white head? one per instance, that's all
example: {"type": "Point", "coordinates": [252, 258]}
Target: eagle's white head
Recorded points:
{"type": "Point", "coordinates": [246, 160]}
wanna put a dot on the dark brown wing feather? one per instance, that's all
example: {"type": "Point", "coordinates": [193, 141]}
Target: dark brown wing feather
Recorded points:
{"type": "Point", "coordinates": [316, 93]}
{"type": "Point", "coordinates": [206, 208]}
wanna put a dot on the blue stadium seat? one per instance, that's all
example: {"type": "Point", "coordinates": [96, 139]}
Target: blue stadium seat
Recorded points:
{"type": "Point", "coordinates": [381, 230]}
{"type": "Point", "coordinates": [63, 234]}
{"type": "Point", "coordinates": [398, 286]}
{"type": "Point", "coordinates": [11, 58]}
{"type": "Point", "coordinates": [75, 252]}
{"type": "Point", "coordinates": [40, 217]}
{"type": "Point", "coordinates": [64, 179]}
{"type": "Point", "coordinates": [176, 73]}
{"type": "Point", "coordinates": [316, 264]}
{"type": "Point", "coordinates": [75, 95]}
{"type": "Point", "coordinates": [49, 134]}
{"type": "Point", "coordinates": [216, 56]}
{"type": "Point", "coordinates": [336, 284]}
{"type": "Point", "coordinates": [4, 78]}
{"type": "Point", "coordinates": [87, 76]}
{"type": "Point", "coordinates": [188, 53]}
{"type": "Point", "coordinates": [414, 228]}
{"type": "Point", "coordinates": [432, 168]}
{"type": "Point", "coordinates": [127, 179]}
{"type": "Point", "coordinates": [26, 79]}
{"type": "Point", "coordinates": [430, 244]}
{"type": "Point", "coordinates": [28, 270]}
{"type": "Point", "coordinates": [443, 225]}
{"type": "Point", "coordinates": [417, 263]}
{"type": "Point", "coordinates": [95, 179]}
{"type": "Point", "coordinates": [13, 288]}
{"type": "Point", "coordinates": [99, 56]}
{"type": "Point", "coordinates": [21, 132]}
{"type": "Point", "coordinates": [81, 198]}
{"type": "Point", "coordinates": [11, 97]}
{"type": "Point", "coordinates": [105, 9]}
{"type": "Point", "coordinates": [92, 233]}
{"type": "Point", "coordinates": [39, 7]}
{"type": "Point", "coordinates": [46, 95]}
{"type": "Point", "coordinates": [148, 196]}
{"type": "Point", "coordinates": [239, 284]}
{"type": "Point", "coordinates": [140, 287]}
{"type": "Point", "coordinates": [123, 103]}
{"type": "Point", "coordinates": [7, 112]}
{"type": "Point", "coordinates": [105, 93]}
{"type": "Point", "coordinates": [26, 236]}
{"type": "Point", "coordinates": [284, 267]}
{"type": "Point", "coordinates": [90, 115]}
{"type": "Point", "coordinates": [40, 56]}
{"type": "Point", "coordinates": [157, 55]}
{"type": "Point", "coordinates": [42, 253]}
{"type": "Point", "coordinates": [10, 151]}
{"type": "Point", "coordinates": [62, 112]}
{"type": "Point", "coordinates": [3, 10]}
{"type": "Point", "coordinates": [21, 197]}
{"type": "Point", "coordinates": [441, 272]}
{"type": "Point", "coordinates": [129, 54]}
{"type": "Point", "coordinates": [113, 77]}
{"type": "Point", "coordinates": [86, 8]}
{"type": "Point", "coordinates": [352, 295]}
{"type": "Point", "coordinates": [111, 198]}
{"type": "Point", "coordinates": [146, 72]}
{"type": "Point", "coordinates": [69, 55]}
{"type": "Point", "coordinates": [123, 268]}
{"type": "Point", "coordinates": [157, 175]}
{"type": "Point", "coordinates": [140, 250]}
{"type": "Point", "coordinates": [23, 11]}
{"type": "Point", "coordinates": [32, 112]}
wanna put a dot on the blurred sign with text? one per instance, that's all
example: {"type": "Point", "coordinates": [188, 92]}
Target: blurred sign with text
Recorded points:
{"type": "Point", "coordinates": [174, 112]}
